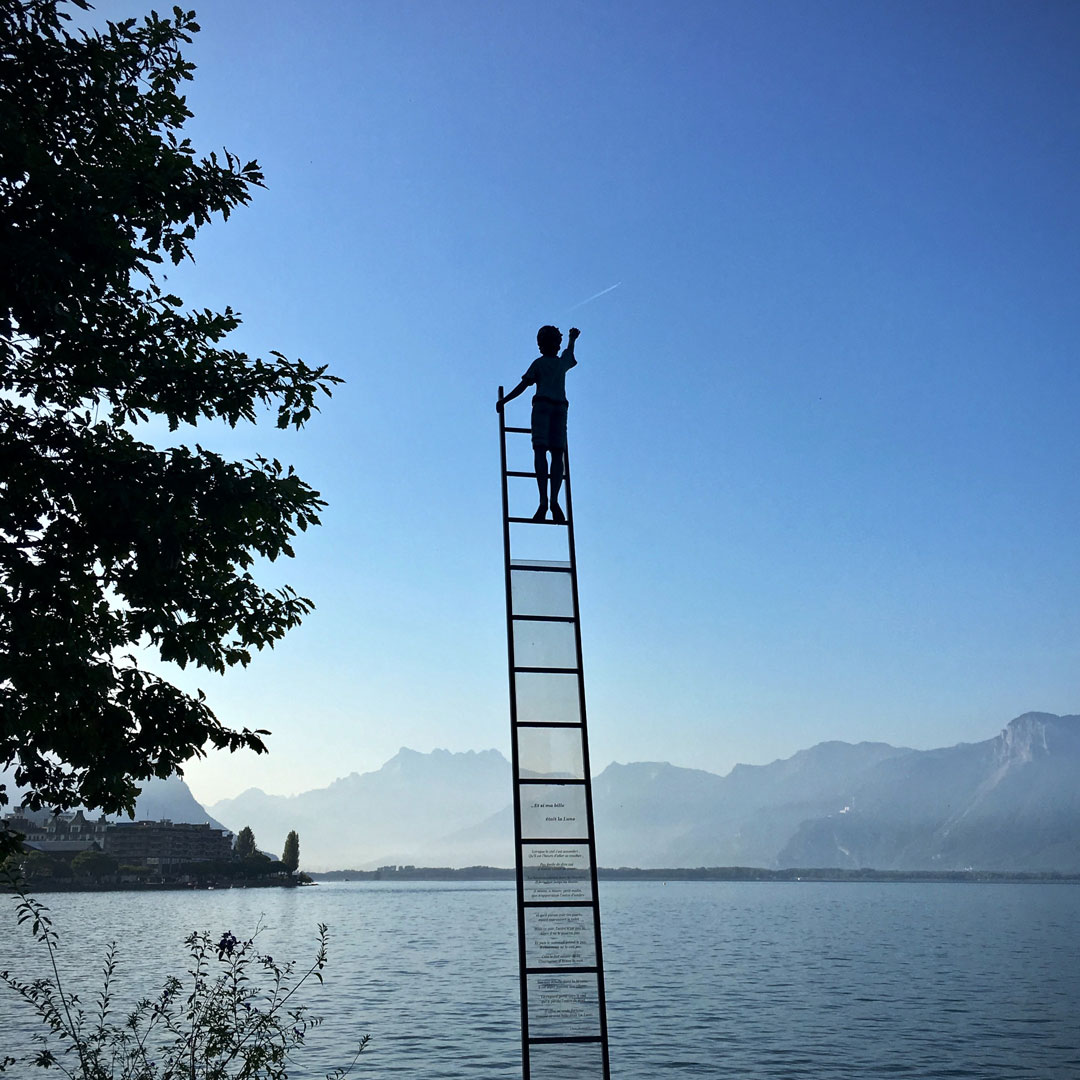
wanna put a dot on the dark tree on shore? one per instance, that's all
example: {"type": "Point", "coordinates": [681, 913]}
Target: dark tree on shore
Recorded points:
{"type": "Point", "coordinates": [109, 544]}
{"type": "Point", "coordinates": [245, 843]}
{"type": "Point", "coordinates": [290, 857]}
{"type": "Point", "coordinates": [95, 864]}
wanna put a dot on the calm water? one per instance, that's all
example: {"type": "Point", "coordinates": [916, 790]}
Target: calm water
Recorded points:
{"type": "Point", "coordinates": [749, 980]}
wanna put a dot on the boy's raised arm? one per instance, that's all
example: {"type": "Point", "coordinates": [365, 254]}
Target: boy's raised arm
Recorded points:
{"type": "Point", "coordinates": [568, 352]}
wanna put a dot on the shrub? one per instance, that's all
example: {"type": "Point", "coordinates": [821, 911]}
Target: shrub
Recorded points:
{"type": "Point", "coordinates": [221, 1026]}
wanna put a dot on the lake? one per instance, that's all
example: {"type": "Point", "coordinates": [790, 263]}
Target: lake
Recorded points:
{"type": "Point", "coordinates": [745, 979]}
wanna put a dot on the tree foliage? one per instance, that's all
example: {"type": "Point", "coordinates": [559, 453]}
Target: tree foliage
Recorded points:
{"type": "Point", "coordinates": [110, 545]}
{"type": "Point", "coordinates": [95, 864]}
{"type": "Point", "coordinates": [290, 857]}
{"type": "Point", "coordinates": [245, 843]}
{"type": "Point", "coordinates": [36, 866]}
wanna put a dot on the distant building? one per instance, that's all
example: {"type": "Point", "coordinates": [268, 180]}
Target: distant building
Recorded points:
{"type": "Point", "coordinates": [21, 824]}
{"type": "Point", "coordinates": [67, 849]}
{"type": "Point", "coordinates": [162, 844]}
{"type": "Point", "coordinates": [53, 829]}
{"type": "Point", "coordinates": [133, 843]}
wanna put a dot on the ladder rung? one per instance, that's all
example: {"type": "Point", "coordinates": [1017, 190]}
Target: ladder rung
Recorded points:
{"type": "Point", "coordinates": [559, 903]}
{"type": "Point", "coordinates": [548, 670]}
{"type": "Point", "coordinates": [544, 618]}
{"type": "Point", "coordinates": [548, 780]}
{"type": "Point", "coordinates": [515, 472]}
{"type": "Point", "coordinates": [540, 1040]}
{"type": "Point", "coordinates": [541, 568]}
{"type": "Point", "coordinates": [532, 521]}
{"type": "Point", "coordinates": [563, 840]}
{"type": "Point", "coordinates": [520, 430]}
{"type": "Point", "coordinates": [548, 723]}
{"type": "Point", "coordinates": [575, 970]}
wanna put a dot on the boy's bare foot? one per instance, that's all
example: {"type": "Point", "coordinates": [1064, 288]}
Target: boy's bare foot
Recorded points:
{"type": "Point", "coordinates": [541, 512]}
{"type": "Point", "coordinates": [556, 514]}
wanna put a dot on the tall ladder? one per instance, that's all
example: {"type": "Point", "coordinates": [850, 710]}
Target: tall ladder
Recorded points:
{"type": "Point", "coordinates": [563, 1009]}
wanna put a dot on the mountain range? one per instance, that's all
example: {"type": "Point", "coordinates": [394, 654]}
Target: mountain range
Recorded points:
{"type": "Point", "coordinates": [1008, 803]}
{"type": "Point", "coordinates": [159, 800]}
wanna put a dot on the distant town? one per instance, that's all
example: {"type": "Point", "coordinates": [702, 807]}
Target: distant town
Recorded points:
{"type": "Point", "coordinates": [73, 851]}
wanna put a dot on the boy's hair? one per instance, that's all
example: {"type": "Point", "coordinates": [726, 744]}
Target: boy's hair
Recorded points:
{"type": "Point", "coordinates": [549, 338]}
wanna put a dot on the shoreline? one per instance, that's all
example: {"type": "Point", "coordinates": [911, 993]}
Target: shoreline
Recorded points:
{"type": "Point", "coordinates": [713, 873]}
{"type": "Point", "coordinates": [665, 875]}
{"type": "Point", "coordinates": [44, 885]}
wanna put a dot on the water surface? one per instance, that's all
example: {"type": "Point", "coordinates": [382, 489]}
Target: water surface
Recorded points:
{"type": "Point", "coordinates": [763, 980]}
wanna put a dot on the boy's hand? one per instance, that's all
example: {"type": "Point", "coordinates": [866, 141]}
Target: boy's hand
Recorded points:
{"type": "Point", "coordinates": [575, 333]}
{"type": "Point", "coordinates": [499, 405]}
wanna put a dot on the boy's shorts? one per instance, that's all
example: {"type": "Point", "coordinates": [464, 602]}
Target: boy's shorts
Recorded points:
{"type": "Point", "coordinates": [548, 424]}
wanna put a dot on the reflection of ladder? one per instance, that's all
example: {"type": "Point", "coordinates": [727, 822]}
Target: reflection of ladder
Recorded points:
{"type": "Point", "coordinates": [563, 1011]}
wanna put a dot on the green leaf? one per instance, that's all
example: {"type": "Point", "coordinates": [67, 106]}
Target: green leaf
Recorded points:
{"type": "Point", "coordinates": [112, 543]}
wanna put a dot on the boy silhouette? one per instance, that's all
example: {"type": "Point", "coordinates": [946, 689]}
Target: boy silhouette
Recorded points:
{"type": "Point", "coordinates": [548, 374]}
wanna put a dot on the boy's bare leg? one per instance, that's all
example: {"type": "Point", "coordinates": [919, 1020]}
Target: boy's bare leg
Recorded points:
{"type": "Point", "coordinates": [556, 484]}
{"type": "Point", "coordinates": [540, 466]}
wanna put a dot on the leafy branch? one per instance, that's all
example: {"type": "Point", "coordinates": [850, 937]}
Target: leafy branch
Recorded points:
{"type": "Point", "coordinates": [226, 1027]}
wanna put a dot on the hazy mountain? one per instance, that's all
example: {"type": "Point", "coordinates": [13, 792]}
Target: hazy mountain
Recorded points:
{"type": "Point", "coordinates": [404, 812]}
{"type": "Point", "coordinates": [159, 800]}
{"type": "Point", "coordinates": [1011, 802]}
{"type": "Point", "coordinates": [170, 800]}
{"type": "Point", "coordinates": [654, 814]}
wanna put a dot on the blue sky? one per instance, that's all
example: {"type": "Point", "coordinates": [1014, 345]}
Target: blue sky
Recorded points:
{"type": "Point", "coordinates": [824, 433]}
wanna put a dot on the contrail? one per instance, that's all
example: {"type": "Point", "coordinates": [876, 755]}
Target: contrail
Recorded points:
{"type": "Point", "coordinates": [602, 292]}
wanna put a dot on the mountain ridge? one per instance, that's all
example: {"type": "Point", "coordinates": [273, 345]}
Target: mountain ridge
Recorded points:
{"type": "Point", "coordinates": [160, 800]}
{"type": "Point", "coordinates": [1008, 802]}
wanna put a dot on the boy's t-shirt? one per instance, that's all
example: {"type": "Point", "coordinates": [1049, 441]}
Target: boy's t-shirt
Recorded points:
{"type": "Point", "coordinates": [548, 374]}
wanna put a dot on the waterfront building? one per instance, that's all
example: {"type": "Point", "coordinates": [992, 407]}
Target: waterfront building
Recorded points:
{"type": "Point", "coordinates": [165, 844]}
{"type": "Point", "coordinates": [72, 827]}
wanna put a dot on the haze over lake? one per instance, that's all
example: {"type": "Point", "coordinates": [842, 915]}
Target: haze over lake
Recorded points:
{"type": "Point", "coordinates": [770, 981]}
{"type": "Point", "coordinates": [1009, 802]}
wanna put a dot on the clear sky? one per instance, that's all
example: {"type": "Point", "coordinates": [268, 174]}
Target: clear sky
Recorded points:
{"type": "Point", "coordinates": [824, 433]}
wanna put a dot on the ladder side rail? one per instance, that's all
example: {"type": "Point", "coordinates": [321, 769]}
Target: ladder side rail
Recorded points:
{"type": "Point", "coordinates": [519, 870]}
{"type": "Point", "coordinates": [587, 769]}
